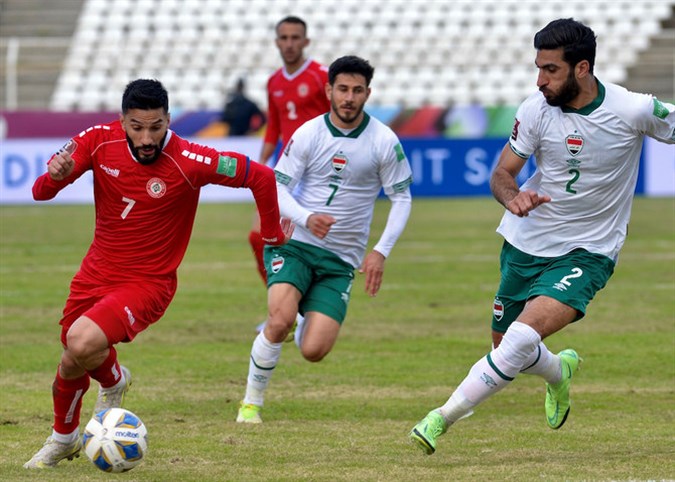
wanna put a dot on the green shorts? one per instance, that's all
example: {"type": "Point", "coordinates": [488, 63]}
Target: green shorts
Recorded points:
{"type": "Point", "coordinates": [323, 279]}
{"type": "Point", "coordinates": [572, 279]}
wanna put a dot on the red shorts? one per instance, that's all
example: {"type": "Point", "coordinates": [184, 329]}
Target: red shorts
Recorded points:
{"type": "Point", "coordinates": [121, 309]}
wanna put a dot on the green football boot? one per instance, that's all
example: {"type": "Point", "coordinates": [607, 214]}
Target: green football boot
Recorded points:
{"type": "Point", "coordinates": [425, 433]}
{"type": "Point", "coordinates": [558, 394]}
{"type": "Point", "coordinates": [248, 413]}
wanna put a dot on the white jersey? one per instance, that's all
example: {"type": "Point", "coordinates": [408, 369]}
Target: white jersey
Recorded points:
{"type": "Point", "coordinates": [341, 174]}
{"type": "Point", "coordinates": [587, 162]}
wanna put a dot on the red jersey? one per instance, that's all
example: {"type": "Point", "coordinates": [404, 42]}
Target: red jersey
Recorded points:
{"type": "Point", "coordinates": [145, 213]}
{"type": "Point", "coordinates": [293, 99]}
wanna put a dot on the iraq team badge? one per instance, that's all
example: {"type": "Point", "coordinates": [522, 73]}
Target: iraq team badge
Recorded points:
{"type": "Point", "coordinates": [574, 144]}
{"type": "Point", "coordinates": [498, 309]}
{"type": "Point", "coordinates": [277, 264]}
{"type": "Point", "coordinates": [339, 162]}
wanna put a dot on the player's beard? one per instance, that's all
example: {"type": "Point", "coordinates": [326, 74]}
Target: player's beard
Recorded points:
{"type": "Point", "coordinates": [568, 92]}
{"type": "Point", "coordinates": [347, 120]}
{"type": "Point", "coordinates": [136, 151]}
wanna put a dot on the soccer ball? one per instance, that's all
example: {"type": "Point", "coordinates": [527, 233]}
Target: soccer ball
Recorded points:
{"type": "Point", "coordinates": [115, 440]}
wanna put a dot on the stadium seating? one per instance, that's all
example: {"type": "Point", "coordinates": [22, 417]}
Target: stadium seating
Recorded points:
{"type": "Point", "coordinates": [426, 52]}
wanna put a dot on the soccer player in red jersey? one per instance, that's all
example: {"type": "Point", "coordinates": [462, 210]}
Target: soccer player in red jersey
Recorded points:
{"type": "Point", "coordinates": [146, 190]}
{"type": "Point", "coordinates": [296, 93]}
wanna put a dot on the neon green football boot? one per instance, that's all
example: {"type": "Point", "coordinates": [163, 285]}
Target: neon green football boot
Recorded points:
{"type": "Point", "coordinates": [248, 413]}
{"type": "Point", "coordinates": [558, 394]}
{"type": "Point", "coordinates": [425, 433]}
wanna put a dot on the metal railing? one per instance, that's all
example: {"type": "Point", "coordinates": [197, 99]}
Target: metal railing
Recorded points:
{"type": "Point", "coordinates": [19, 59]}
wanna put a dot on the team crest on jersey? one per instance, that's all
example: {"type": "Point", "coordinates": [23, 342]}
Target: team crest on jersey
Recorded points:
{"type": "Point", "coordinates": [574, 144]}
{"type": "Point", "coordinates": [498, 309]}
{"type": "Point", "coordinates": [303, 90]}
{"type": "Point", "coordinates": [156, 187]}
{"type": "Point", "coordinates": [339, 162]}
{"type": "Point", "coordinates": [277, 264]}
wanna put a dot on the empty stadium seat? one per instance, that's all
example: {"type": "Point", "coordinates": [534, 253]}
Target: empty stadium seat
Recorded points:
{"type": "Point", "coordinates": [426, 51]}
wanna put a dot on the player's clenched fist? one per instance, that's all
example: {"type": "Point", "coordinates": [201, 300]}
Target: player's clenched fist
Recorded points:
{"type": "Point", "coordinates": [320, 224]}
{"type": "Point", "coordinates": [60, 166]}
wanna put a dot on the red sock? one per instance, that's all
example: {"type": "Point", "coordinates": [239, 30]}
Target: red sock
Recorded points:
{"type": "Point", "coordinates": [109, 372]}
{"type": "Point", "coordinates": [257, 244]}
{"type": "Point", "coordinates": [67, 395]}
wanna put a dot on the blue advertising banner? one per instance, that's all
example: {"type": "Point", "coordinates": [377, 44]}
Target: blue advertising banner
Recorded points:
{"type": "Point", "coordinates": [441, 167]}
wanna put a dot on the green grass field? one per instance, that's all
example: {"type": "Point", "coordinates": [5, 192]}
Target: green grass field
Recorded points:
{"type": "Point", "coordinates": [399, 355]}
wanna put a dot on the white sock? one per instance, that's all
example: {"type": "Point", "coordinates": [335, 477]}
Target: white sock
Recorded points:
{"type": "Point", "coordinates": [67, 438]}
{"type": "Point", "coordinates": [492, 372]}
{"type": "Point", "coordinates": [544, 364]}
{"type": "Point", "coordinates": [299, 330]}
{"type": "Point", "coordinates": [264, 357]}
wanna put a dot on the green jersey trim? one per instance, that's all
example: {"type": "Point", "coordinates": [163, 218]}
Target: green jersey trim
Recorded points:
{"type": "Point", "coordinates": [588, 109]}
{"type": "Point", "coordinates": [353, 134]}
{"type": "Point", "coordinates": [282, 178]}
{"type": "Point", "coordinates": [660, 110]}
{"type": "Point", "coordinates": [403, 185]}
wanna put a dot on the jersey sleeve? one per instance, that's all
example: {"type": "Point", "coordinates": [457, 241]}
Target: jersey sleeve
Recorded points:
{"type": "Point", "coordinates": [524, 139]}
{"type": "Point", "coordinates": [205, 165]}
{"type": "Point", "coordinates": [293, 161]}
{"type": "Point", "coordinates": [288, 171]}
{"type": "Point", "coordinates": [395, 171]}
{"type": "Point", "coordinates": [659, 120]}
{"type": "Point", "coordinates": [46, 188]}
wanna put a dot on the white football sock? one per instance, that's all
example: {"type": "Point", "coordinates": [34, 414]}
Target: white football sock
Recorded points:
{"type": "Point", "coordinates": [264, 357]}
{"type": "Point", "coordinates": [67, 438]}
{"type": "Point", "coordinates": [543, 363]}
{"type": "Point", "coordinates": [492, 372]}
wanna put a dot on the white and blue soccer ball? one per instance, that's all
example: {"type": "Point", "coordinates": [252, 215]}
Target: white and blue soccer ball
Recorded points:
{"type": "Point", "coordinates": [115, 440]}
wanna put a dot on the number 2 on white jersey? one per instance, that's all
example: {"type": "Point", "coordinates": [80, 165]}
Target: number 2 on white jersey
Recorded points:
{"type": "Point", "coordinates": [130, 204]}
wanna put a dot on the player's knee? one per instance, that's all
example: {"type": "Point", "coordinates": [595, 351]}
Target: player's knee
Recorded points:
{"type": "Point", "coordinates": [314, 354]}
{"type": "Point", "coordinates": [83, 344]}
{"type": "Point", "coordinates": [277, 329]}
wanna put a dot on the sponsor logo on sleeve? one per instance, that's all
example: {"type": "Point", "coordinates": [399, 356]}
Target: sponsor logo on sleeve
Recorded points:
{"type": "Point", "coordinates": [282, 178]}
{"type": "Point", "coordinates": [69, 147]}
{"type": "Point", "coordinates": [400, 155]}
{"type": "Point", "coordinates": [660, 110]}
{"type": "Point", "coordinates": [288, 147]}
{"type": "Point", "coordinates": [403, 185]}
{"type": "Point", "coordinates": [514, 132]}
{"type": "Point", "coordinates": [227, 166]}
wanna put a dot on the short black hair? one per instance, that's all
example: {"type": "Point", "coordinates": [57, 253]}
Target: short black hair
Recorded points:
{"type": "Point", "coordinates": [350, 64]}
{"type": "Point", "coordinates": [291, 19]}
{"type": "Point", "coordinates": [576, 39]}
{"type": "Point", "coordinates": [145, 94]}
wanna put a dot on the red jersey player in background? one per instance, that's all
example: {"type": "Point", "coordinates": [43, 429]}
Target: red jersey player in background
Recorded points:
{"type": "Point", "coordinates": [146, 190]}
{"type": "Point", "coordinates": [295, 93]}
